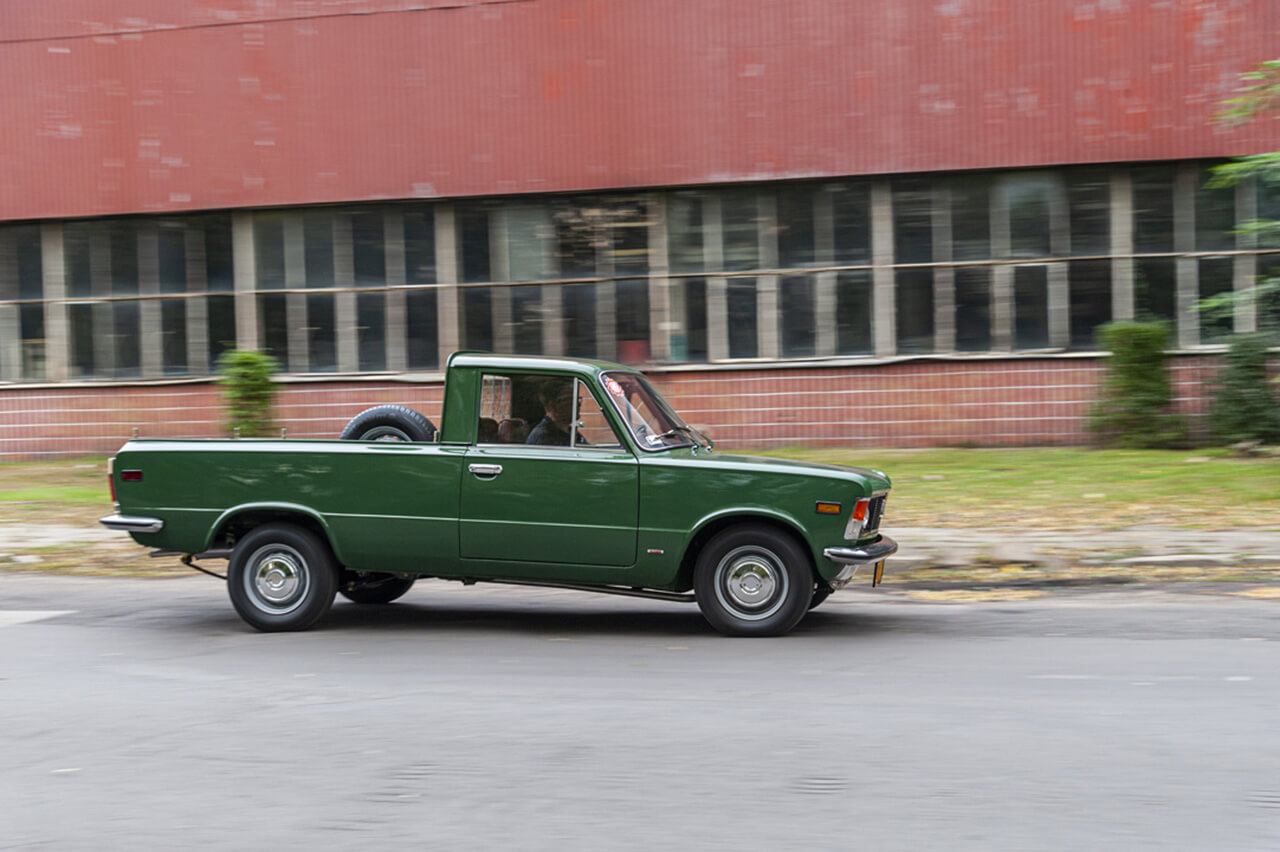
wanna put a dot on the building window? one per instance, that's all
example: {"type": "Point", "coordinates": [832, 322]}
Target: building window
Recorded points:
{"type": "Point", "coordinates": [1030, 198]}
{"type": "Point", "coordinates": [22, 281]}
{"type": "Point", "coordinates": [794, 226]}
{"type": "Point", "coordinates": [1030, 307]}
{"type": "Point", "coordinates": [695, 319]}
{"type": "Point", "coordinates": [1154, 288]}
{"type": "Point", "coordinates": [913, 222]}
{"type": "Point", "coordinates": [853, 312]}
{"type": "Point", "coordinates": [851, 222]}
{"type": "Point", "coordinates": [1215, 215]}
{"type": "Point", "coordinates": [970, 218]}
{"type": "Point", "coordinates": [421, 318]}
{"type": "Point", "coordinates": [973, 308]}
{"type": "Point", "coordinates": [739, 215]}
{"type": "Point", "coordinates": [915, 310]}
{"type": "Point", "coordinates": [741, 298]}
{"type": "Point", "coordinates": [1216, 278]}
{"type": "Point", "coordinates": [1153, 209]}
{"type": "Point", "coordinates": [318, 273]}
{"type": "Point", "coordinates": [685, 232]}
{"type": "Point", "coordinates": [1090, 300]}
{"type": "Point", "coordinates": [798, 316]}
{"type": "Point", "coordinates": [1089, 204]}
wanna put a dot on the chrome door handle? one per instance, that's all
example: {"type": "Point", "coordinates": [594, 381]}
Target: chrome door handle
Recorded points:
{"type": "Point", "coordinates": [485, 469]}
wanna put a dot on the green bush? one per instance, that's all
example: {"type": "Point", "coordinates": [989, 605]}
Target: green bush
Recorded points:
{"type": "Point", "coordinates": [249, 391]}
{"type": "Point", "coordinates": [1134, 408]}
{"type": "Point", "coordinates": [1244, 403]}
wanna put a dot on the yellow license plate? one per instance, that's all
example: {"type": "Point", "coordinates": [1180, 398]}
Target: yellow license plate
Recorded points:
{"type": "Point", "coordinates": [879, 575]}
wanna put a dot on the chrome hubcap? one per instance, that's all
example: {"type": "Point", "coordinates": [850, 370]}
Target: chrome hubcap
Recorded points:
{"type": "Point", "coordinates": [277, 580]}
{"type": "Point", "coordinates": [751, 582]}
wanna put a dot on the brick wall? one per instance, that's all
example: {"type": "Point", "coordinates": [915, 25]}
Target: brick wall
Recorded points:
{"type": "Point", "coordinates": [917, 403]}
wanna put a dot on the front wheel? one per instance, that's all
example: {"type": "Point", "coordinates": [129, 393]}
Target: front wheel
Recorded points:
{"type": "Point", "coordinates": [281, 577]}
{"type": "Point", "coordinates": [376, 588]}
{"type": "Point", "coordinates": [753, 581]}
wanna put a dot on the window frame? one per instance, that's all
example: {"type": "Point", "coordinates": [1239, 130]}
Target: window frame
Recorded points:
{"type": "Point", "coordinates": [621, 445]}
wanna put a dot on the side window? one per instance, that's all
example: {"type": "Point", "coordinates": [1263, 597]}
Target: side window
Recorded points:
{"type": "Point", "coordinates": [593, 427]}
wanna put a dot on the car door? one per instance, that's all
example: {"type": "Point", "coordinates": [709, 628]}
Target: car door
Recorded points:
{"type": "Point", "coordinates": [537, 491]}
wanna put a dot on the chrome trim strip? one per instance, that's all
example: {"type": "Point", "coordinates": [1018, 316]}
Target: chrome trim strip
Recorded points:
{"type": "Point", "coordinates": [881, 548]}
{"type": "Point", "coordinates": [132, 523]}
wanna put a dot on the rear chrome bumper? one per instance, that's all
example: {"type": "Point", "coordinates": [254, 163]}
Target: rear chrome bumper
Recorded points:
{"type": "Point", "coordinates": [132, 523]}
{"type": "Point", "coordinates": [881, 548]}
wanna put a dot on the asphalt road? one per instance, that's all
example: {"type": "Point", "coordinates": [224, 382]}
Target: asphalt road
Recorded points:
{"type": "Point", "coordinates": [146, 716]}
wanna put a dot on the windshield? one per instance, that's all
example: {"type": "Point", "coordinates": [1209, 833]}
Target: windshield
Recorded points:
{"type": "Point", "coordinates": [654, 425]}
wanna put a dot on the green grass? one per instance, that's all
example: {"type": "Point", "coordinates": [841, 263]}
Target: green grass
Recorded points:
{"type": "Point", "coordinates": [63, 491]}
{"type": "Point", "coordinates": [1070, 488]}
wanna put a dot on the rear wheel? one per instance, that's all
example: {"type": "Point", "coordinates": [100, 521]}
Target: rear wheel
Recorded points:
{"type": "Point", "coordinates": [376, 588]}
{"type": "Point", "coordinates": [389, 423]}
{"type": "Point", "coordinates": [281, 577]}
{"type": "Point", "coordinates": [753, 581]}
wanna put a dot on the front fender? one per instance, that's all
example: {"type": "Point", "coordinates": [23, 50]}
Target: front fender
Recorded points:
{"type": "Point", "coordinates": [281, 508]}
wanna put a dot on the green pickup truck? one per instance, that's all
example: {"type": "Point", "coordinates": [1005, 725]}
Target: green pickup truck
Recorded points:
{"type": "Point", "coordinates": [545, 471]}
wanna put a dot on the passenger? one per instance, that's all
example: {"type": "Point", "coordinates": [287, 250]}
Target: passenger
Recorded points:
{"type": "Point", "coordinates": [513, 431]}
{"type": "Point", "coordinates": [556, 396]}
{"type": "Point", "coordinates": [488, 433]}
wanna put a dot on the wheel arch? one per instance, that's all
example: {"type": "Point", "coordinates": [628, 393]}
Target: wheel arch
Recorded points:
{"type": "Point", "coordinates": [235, 522]}
{"type": "Point", "coordinates": [708, 527]}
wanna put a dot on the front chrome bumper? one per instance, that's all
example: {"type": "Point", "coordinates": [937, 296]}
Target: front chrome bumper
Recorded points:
{"type": "Point", "coordinates": [852, 558]}
{"type": "Point", "coordinates": [132, 523]}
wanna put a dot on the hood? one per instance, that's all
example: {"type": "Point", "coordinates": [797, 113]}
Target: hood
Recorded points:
{"type": "Point", "coordinates": [871, 480]}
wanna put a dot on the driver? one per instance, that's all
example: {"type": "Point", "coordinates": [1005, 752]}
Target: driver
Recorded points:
{"type": "Point", "coordinates": [556, 396]}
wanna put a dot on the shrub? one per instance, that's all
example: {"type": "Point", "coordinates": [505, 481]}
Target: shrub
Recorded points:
{"type": "Point", "coordinates": [1135, 405]}
{"type": "Point", "coordinates": [248, 389]}
{"type": "Point", "coordinates": [1244, 404]}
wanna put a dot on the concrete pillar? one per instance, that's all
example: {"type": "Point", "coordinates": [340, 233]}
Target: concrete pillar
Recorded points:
{"type": "Point", "coordinates": [344, 303]}
{"type": "Point", "coordinates": [944, 277]}
{"type": "Point", "coordinates": [197, 308]}
{"type": "Point", "coordinates": [53, 265]}
{"type": "Point", "coordinates": [662, 291]}
{"type": "Point", "coordinates": [150, 324]}
{"type": "Point", "coordinates": [768, 309]}
{"type": "Point", "coordinates": [295, 278]}
{"type": "Point", "coordinates": [718, 286]}
{"type": "Point", "coordinates": [1057, 278]}
{"type": "Point", "coordinates": [447, 273]}
{"type": "Point", "coordinates": [1184, 240]}
{"type": "Point", "coordinates": [1245, 269]}
{"type": "Point", "coordinates": [1001, 274]}
{"type": "Point", "coordinates": [500, 270]}
{"type": "Point", "coordinates": [10, 319]}
{"type": "Point", "coordinates": [1122, 296]}
{"type": "Point", "coordinates": [884, 308]}
{"type": "Point", "coordinates": [244, 260]}
{"type": "Point", "coordinates": [397, 336]}
{"type": "Point", "coordinates": [824, 293]}
{"type": "Point", "coordinates": [104, 328]}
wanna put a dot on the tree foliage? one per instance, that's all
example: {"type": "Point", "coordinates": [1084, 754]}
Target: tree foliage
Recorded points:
{"type": "Point", "coordinates": [1135, 406]}
{"type": "Point", "coordinates": [248, 390]}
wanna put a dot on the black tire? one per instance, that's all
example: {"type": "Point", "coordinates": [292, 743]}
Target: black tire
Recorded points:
{"type": "Point", "coordinates": [282, 577]}
{"type": "Point", "coordinates": [820, 594]}
{"type": "Point", "coordinates": [753, 581]}
{"type": "Point", "coordinates": [375, 588]}
{"type": "Point", "coordinates": [389, 423]}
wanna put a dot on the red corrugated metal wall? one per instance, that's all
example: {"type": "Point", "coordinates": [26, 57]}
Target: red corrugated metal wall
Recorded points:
{"type": "Point", "coordinates": [187, 104]}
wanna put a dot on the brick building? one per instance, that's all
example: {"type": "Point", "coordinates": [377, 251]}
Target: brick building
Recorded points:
{"type": "Point", "coordinates": [810, 220]}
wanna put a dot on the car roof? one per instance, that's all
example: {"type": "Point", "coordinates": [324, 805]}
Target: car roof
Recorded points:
{"type": "Point", "coordinates": [490, 360]}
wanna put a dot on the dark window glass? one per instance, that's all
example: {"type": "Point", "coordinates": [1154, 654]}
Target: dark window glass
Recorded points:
{"type": "Point", "coordinates": [580, 320]}
{"type": "Point", "coordinates": [851, 214]}
{"type": "Point", "coordinates": [1216, 277]}
{"type": "Point", "coordinates": [1030, 307]}
{"type": "Point", "coordinates": [915, 310]}
{"type": "Point", "coordinates": [627, 235]}
{"type": "Point", "coordinates": [1269, 211]}
{"type": "Point", "coordinates": [173, 336]}
{"type": "Point", "coordinates": [420, 248]}
{"type": "Point", "coordinates": [576, 239]}
{"type": "Point", "coordinates": [123, 239]}
{"type": "Point", "coordinates": [795, 209]}
{"type": "Point", "coordinates": [317, 248]}
{"type": "Point", "coordinates": [477, 323]}
{"type": "Point", "coordinates": [1090, 286]}
{"type": "Point", "coordinates": [274, 331]}
{"type": "Point", "coordinates": [126, 341]}
{"type": "Point", "coordinates": [973, 308]}
{"type": "Point", "coordinates": [1154, 287]}
{"type": "Point", "coordinates": [1030, 200]}
{"type": "Point", "coordinates": [75, 250]}
{"type": "Point", "coordinates": [913, 221]}
{"type": "Point", "coordinates": [322, 349]}
{"type": "Point", "coordinates": [1152, 209]}
{"type": "Point", "coordinates": [529, 237]}
{"type": "Point", "coordinates": [80, 318]}
{"type": "Point", "coordinates": [970, 218]}
{"type": "Point", "coordinates": [31, 322]}
{"type": "Point", "coordinates": [1268, 304]}
{"type": "Point", "coordinates": [371, 331]}
{"type": "Point", "coordinates": [473, 245]}
{"type": "Point", "coordinates": [740, 216]}
{"type": "Point", "coordinates": [853, 312]}
{"type": "Point", "coordinates": [369, 250]}
{"type": "Point", "coordinates": [1089, 201]}
{"type": "Point", "coordinates": [421, 330]}
{"type": "Point", "coordinates": [173, 258]}
{"type": "Point", "coordinates": [633, 321]}
{"type": "Point", "coordinates": [526, 316]}
{"type": "Point", "coordinates": [695, 321]}
{"type": "Point", "coordinates": [798, 331]}
{"type": "Point", "coordinates": [221, 317]}
{"type": "Point", "coordinates": [219, 264]}
{"type": "Point", "coordinates": [741, 299]}
{"type": "Point", "coordinates": [30, 263]}
{"type": "Point", "coordinates": [685, 231]}
{"type": "Point", "coordinates": [1215, 216]}
{"type": "Point", "coordinates": [268, 250]}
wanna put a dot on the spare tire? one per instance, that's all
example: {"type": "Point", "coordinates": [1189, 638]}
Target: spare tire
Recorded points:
{"type": "Point", "coordinates": [389, 423]}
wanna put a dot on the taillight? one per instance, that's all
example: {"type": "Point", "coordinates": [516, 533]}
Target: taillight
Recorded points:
{"type": "Point", "coordinates": [130, 476]}
{"type": "Point", "coordinates": [111, 479]}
